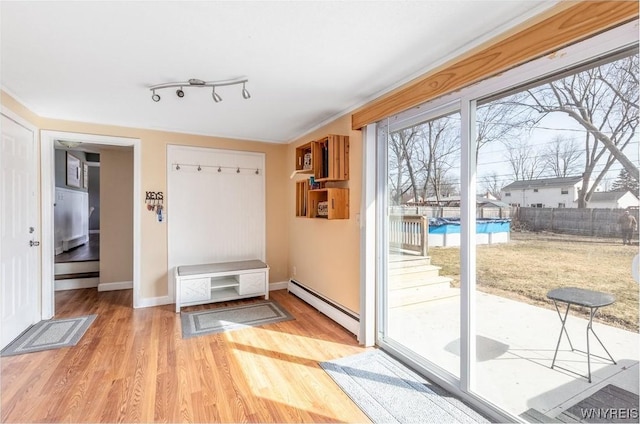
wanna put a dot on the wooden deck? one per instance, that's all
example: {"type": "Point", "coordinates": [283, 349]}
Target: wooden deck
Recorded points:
{"type": "Point", "coordinates": [609, 404]}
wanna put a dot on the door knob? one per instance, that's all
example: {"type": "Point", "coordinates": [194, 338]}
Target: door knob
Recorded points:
{"type": "Point", "coordinates": [34, 243]}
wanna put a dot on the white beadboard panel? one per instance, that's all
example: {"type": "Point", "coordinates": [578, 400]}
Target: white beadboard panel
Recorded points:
{"type": "Point", "coordinates": [214, 216]}
{"type": "Point", "coordinates": [71, 219]}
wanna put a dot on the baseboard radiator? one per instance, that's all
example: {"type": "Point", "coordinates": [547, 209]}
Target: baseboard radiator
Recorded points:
{"type": "Point", "coordinates": [337, 313]}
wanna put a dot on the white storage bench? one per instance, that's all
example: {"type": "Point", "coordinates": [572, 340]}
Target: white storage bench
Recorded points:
{"type": "Point", "coordinates": [219, 282]}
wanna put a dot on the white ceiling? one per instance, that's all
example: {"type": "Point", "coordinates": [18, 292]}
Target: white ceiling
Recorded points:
{"type": "Point", "coordinates": [307, 62]}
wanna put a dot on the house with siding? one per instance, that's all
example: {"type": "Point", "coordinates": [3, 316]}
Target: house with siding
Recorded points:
{"type": "Point", "coordinates": [559, 192]}
{"type": "Point", "coordinates": [613, 200]}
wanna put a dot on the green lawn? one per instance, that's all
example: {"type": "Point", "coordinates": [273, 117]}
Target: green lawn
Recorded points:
{"type": "Point", "coordinates": [531, 264]}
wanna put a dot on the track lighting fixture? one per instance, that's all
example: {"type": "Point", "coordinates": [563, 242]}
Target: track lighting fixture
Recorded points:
{"type": "Point", "coordinates": [200, 83]}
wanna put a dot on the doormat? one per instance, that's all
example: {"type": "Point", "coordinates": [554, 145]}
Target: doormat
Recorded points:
{"type": "Point", "coordinates": [389, 392]}
{"type": "Point", "coordinates": [231, 318]}
{"type": "Point", "coordinates": [49, 334]}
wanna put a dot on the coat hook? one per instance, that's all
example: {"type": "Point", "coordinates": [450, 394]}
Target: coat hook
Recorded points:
{"type": "Point", "coordinates": [199, 168]}
{"type": "Point", "coordinates": [177, 167]}
{"type": "Point", "coordinates": [238, 170]}
{"type": "Point", "coordinates": [257, 172]}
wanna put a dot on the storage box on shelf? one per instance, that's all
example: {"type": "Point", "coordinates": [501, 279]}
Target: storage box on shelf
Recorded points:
{"type": "Point", "coordinates": [304, 158]}
{"type": "Point", "coordinates": [302, 190]}
{"type": "Point", "coordinates": [331, 158]}
{"type": "Point", "coordinates": [329, 203]}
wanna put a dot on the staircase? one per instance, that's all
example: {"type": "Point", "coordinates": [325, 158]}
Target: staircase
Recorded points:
{"type": "Point", "coordinates": [413, 280]}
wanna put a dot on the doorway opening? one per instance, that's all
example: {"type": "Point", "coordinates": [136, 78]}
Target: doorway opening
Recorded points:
{"type": "Point", "coordinates": [76, 216]}
{"type": "Point", "coordinates": [77, 221]}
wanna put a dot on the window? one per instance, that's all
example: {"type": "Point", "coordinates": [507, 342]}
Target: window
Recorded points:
{"type": "Point", "coordinates": [561, 205]}
{"type": "Point", "coordinates": [535, 190]}
{"type": "Point", "coordinates": [507, 194]}
{"type": "Point", "coordinates": [564, 191]}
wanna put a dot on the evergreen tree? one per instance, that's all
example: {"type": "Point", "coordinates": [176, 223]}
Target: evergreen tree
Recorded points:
{"type": "Point", "coordinates": [625, 182]}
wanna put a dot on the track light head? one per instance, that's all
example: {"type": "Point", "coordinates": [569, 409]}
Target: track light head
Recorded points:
{"type": "Point", "coordinates": [179, 92]}
{"type": "Point", "coordinates": [216, 96]}
{"type": "Point", "coordinates": [155, 97]}
{"type": "Point", "coordinates": [245, 92]}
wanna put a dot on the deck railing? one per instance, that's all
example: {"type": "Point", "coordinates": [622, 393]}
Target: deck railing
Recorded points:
{"type": "Point", "coordinates": [409, 232]}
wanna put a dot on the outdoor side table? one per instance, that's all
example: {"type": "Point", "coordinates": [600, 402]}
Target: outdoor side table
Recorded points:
{"type": "Point", "coordinates": [593, 300]}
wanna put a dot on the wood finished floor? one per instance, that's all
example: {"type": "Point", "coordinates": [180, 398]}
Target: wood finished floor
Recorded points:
{"type": "Point", "coordinates": [89, 251]}
{"type": "Point", "coordinates": [134, 366]}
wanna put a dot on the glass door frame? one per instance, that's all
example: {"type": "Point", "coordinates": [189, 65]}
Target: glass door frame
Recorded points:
{"type": "Point", "coordinates": [617, 39]}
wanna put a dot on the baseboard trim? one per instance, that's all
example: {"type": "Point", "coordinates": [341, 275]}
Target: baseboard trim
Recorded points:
{"type": "Point", "coordinates": [337, 313]}
{"type": "Point", "coordinates": [74, 242]}
{"type": "Point", "coordinates": [76, 283]}
{"type": "Point", "coordinates": [280, 285]}
{"type": "Point", "coordinates": [149, 302]}
{"type": "Point", "coordinates": [121, 285]}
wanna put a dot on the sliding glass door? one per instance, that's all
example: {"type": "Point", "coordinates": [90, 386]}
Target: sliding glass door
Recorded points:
{"type": "Point", "coordinates": [422, 231]}
{"type": "Point", "coordinates": [492, 199]}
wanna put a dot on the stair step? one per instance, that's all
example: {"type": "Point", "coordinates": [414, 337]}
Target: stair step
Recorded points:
{"type": "Point", "coordinates": [403, 261]}
{"type": "Point", "coordinates": [425, 270]}
{"type": "Point", "coordinates": [399, 298]}
{"type": "Point", "coordinates": [77, 275]}
{"type": "Point", "coordinates": [431, 281]}
{"type": "Point", "coordinates": [76, 267]}
{"type": "Point", "coordinates": [76, 283]}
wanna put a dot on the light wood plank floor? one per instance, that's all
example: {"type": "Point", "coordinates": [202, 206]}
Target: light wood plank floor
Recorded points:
{"type": "Point", "coordinates": [134, 366]}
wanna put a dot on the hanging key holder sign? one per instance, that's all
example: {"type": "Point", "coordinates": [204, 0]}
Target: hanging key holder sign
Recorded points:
{"type": "Point", "coordinates": [155, 203]}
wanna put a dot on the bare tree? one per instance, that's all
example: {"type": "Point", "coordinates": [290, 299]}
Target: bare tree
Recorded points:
{"type": "Point", "coordinates": [438, 153]}
{"type": "Point", "coordinates": [401, 168]}
{"type": "Point", "coordinates": [525, 162]}
{"type": "Point", "coordinates": [503, 120]}
{"type": "Point", "coordinates": [604, 100]}
{"type": "Point", "coordinates": [492, 185]}
{"type": "Point", "coordinates": [562, 156]}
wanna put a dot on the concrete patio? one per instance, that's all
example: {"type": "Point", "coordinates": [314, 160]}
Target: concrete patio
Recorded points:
{"type": "Point", "coordinates": [515, 346]}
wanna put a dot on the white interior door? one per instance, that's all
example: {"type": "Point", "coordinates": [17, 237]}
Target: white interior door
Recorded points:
{"type": "Point", "coordinates": [19, 232]}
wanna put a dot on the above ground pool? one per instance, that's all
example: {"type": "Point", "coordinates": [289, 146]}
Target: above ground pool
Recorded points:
{"type": "Point", "coordinates": [446, 231]}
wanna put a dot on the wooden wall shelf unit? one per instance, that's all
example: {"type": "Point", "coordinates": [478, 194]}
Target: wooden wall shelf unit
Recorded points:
{"type": "Point", "coordinates": [327, 159]}
{"type": "Point", "coordinates": [335, 199]}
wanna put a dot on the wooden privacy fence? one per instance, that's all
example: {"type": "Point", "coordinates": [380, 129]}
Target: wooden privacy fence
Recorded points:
{"type": "Point", "coordinates": [585, 222]}
{"type": "Point", "coordinates": [450, 211]}
{"type": "Point", "coordinates": [409, 232]}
